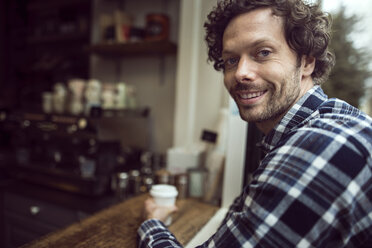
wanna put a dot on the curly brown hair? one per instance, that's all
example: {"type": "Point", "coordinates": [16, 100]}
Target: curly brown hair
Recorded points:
{"type": "Point", "coordinates": [307, 30]}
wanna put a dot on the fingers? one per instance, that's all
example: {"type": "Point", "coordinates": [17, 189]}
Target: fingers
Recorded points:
{"type": "Point", "coordinates": [149, 200]}
{"type": "Point", "coordinates": [173, 209]}
{"type": "Point", "coordinates": [154, 211]}
{"type": "Point", "coordinates": [150, 204]}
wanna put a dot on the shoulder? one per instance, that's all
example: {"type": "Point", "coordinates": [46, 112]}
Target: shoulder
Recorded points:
{"type": "Point", "coordinates": [335, 134]}
{"type": "Point", "coordinates": [319, 159]}
{"type": "Point", "coordinates": [335, 139]}
{"type": "Point", "coordinates": [336, 125]}
{"type": "Point", "coordinates": [329, 140]}
{"type": "Point", "coordinates": [342, 124]}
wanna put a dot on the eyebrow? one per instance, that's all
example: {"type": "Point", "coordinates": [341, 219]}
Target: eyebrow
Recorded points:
{"type": "Point", "coordinates": [254, 44]}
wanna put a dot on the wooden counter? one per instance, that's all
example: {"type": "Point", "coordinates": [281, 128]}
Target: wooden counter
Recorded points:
{"type": "Point", "coordinates": [117, 226]}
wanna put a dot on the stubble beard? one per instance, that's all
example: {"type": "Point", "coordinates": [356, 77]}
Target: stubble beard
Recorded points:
{"type": "Point", "coordinates": [279, 102]}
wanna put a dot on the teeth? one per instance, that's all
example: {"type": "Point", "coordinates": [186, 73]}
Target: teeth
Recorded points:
{"type": "Point", "coordinates": [251, 95]}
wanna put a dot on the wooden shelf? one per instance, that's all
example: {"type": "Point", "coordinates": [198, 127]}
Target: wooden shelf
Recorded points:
{"type": "Point", "coordinates": [59, 38]}
{"type": "Point", "coordinates": [68, 119]}
{"type": "Point", "coordinates": [145, 48]}
{"type": "Point", "coordinates": [50, 5]}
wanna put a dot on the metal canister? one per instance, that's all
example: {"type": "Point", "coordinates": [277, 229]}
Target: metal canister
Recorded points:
{"type": "Point", "coordinates": [197, 181]}
{"type": "Point", "coordinates": [148, 181]}
{"type": "Point", "coordinates": [182, 185]}
{"type": "Point", "coordinates": [163, 177]}
{"type": "Point", "coordinates": [119, 184]}
{"type": "Point", "coordinates": [135, 182]}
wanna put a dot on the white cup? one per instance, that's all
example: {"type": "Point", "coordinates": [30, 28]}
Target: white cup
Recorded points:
{"type": "Point", "coordinates": [164, 195]}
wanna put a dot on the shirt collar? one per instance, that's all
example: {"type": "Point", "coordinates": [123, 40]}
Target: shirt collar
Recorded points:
{"type": "Point", "coordinates": [299, 112]}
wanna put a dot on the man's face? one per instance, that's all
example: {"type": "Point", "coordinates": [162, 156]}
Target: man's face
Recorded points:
{"type": "Point", "coordinates": [262, 73]}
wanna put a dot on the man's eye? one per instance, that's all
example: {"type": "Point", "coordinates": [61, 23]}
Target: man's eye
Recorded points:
{"type": "Point", "coordinates": [263, 53]}
{"type": "Point", "coordinates": [231, 61]}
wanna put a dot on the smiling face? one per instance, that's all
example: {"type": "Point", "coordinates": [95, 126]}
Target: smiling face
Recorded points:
{"type": "Point", "coordinates": [261, 72]}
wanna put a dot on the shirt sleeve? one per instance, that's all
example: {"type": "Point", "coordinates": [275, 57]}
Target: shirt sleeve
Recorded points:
{"type": "Point", "coordinates": [153, 233]}
{"type": "Point", "coordinates": [236, 206]}
{"type": "Point", "coordinates": [238, 229]}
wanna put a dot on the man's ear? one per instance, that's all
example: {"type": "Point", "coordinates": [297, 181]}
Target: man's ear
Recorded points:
{"type": "Point", "coordinates": [308, 63]}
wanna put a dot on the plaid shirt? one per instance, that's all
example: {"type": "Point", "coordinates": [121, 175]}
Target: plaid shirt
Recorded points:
{"type": "Point", "coordinates": [312, 189]}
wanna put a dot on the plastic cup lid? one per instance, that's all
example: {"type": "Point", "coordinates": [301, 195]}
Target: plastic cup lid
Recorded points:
{"type": "Point", "coordinates": [163, 190]}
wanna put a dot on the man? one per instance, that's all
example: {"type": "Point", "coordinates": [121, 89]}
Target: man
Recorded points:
{"type": "Point", "coordinates": [314, 186]}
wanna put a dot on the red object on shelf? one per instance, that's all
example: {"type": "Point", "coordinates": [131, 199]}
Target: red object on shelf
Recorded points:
{"type": "Point", "coordinates": [157, 27]}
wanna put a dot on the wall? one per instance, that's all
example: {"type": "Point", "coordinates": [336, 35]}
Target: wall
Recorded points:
{"type": "Point", "coordinates": [2, 48]}
{"type": "Point", "coordinates": [154, 77]}
{"type": "Point", "coordinates": [200, 93]}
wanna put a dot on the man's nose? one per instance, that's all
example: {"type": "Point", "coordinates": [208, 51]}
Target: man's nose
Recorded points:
{"type": "Point", "coordinates": [246, 70]}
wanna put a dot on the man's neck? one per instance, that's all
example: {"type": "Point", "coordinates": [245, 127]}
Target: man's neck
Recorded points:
{"type": "Point", "coordinates": [268, 125]}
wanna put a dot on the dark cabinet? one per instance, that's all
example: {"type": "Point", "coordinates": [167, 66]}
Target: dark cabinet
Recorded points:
{"type": "Point", "coordinates": [43, 44]}
{"type": "Point", "coordinates": [29, 211]}
{"type": "Point", "coordinates": [26, 219]}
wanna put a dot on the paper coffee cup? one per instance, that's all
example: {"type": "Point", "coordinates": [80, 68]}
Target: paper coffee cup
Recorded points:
{"type": "Point", "coordinates": [164, 195]}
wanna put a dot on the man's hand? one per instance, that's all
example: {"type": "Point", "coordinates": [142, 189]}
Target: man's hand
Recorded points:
{"type": "Point", "coordinates": [154, 211]}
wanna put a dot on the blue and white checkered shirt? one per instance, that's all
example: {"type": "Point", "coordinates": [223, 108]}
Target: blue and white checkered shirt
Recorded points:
{"type": "Point", "coordinates": [312, 189]}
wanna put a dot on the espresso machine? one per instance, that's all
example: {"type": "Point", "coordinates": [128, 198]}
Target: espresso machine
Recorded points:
{"type": "Point", "coordinates": [74, 153]}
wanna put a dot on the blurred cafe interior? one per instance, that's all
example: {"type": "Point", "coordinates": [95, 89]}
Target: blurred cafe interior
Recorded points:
{"type": "Point", "coordinates": [100, 100]}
